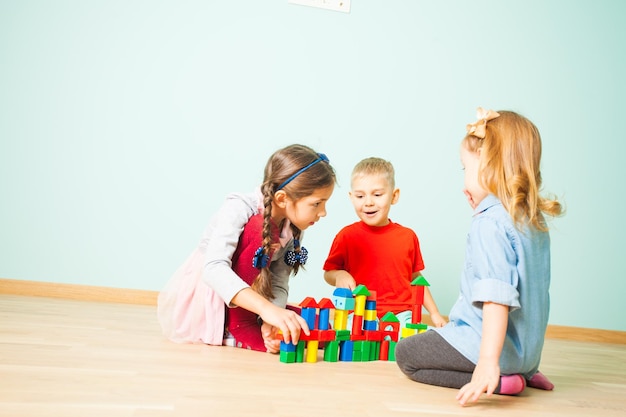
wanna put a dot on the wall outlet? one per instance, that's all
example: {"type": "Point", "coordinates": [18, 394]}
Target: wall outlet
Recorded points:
{"type": "Point", "coordinates": [337, 5]}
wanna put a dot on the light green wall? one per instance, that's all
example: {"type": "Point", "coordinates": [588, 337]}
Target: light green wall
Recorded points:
{"type": "Point", "coordinates": [123, 124]}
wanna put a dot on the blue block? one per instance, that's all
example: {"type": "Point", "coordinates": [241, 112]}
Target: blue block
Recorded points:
{"type": "Point", "coordinates": [309, 314]}
{"type": "Point", "coordinates": [324, 320]}
{"type": "Point", "coordinates": [287, 347]}
{"type": "Point", "coordinates": [342, 299]}
{"type": "Point", "coordinates": [345, 350]}
{"type": "Point", "coordinates": [370, 325]}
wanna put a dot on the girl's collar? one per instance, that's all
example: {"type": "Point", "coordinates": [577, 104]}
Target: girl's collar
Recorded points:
{"type": "Point", "coordinates": [489, 201]}
{"type": "Point", "coordinates": [286, 234]}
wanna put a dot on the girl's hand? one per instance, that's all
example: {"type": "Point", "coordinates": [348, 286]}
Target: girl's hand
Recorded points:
{"type": "Point", "coordinates": [269, 338]}
{"type": "Point", "coordinates": [289, 322]}
{"type": "Point", "coordinates": [485, 378]}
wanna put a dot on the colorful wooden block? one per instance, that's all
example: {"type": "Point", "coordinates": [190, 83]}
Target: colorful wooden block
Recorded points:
{"type": "Point", "coordinates": [331, 352]}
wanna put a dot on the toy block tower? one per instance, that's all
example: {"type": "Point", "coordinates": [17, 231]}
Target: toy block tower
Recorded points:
{"type": "Point", "coordinates": [417, 286]}
{"type": "Point", "coordinates": [416, 325]}
{"type": "Point", "coordinates": [368, 339]}
{"type": "Point", "coordinates": [371, 313]}
{"type": "Point", "coordinates": [390, 326]}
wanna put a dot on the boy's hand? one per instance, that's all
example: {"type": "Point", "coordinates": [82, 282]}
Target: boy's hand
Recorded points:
{"type": "Point", "coordinates": [345, 281]}
{"type": "Point", "coordinates": [438, 320]}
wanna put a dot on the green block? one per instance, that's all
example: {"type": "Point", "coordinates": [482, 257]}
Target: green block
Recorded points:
{"type": "Point", "coordinates": [365, 351]}
{"type": "Point", "coordinates": [300, 351]}
{"type": "Point", "coordinates": [360, 290]}
{"type": "Point", "coordinates": [287, 357]}
{"type": "Point", "coordinates": [390, 317]}
{"type": "Point", "coordinates": [392, 352]}
{"type": "Point", "coordinates": [421, 281]}
{"type": "Point", "coordinates": [374, 351]}
{"type": "Point", "coordinates": [331, 352]}
{"type": "Point", "coordinates": [341, 335]}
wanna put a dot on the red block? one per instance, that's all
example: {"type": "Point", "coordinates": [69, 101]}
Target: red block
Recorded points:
{"type": "Point", "coordinates": [384, 350]}
{"type": "Point", "coordinates": [357, 325]}
{"type": "Point", "coordinates": [416, 314]}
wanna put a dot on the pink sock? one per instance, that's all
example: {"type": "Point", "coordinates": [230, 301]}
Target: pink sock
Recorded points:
{"type": "Point", "coordinates": [540, 381]}
{"type": "Point", "coordinates": [511, 384]}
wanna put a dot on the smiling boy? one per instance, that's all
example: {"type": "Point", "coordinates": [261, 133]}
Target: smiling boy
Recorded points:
{"type": "Point", "coordinates": [376, 252]}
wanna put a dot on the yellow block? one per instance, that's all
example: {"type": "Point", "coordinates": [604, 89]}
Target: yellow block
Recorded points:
{"type": "Point", "coordinates": [406, 332]}
{"type": "Point", "coordinates": [311, 350]}
{"type": "Point", "coordinates": [359, 305]}
{"type": "Point", "coordinates": [370, 315]}
{"type": "Point", "coordinates": [341, 320]}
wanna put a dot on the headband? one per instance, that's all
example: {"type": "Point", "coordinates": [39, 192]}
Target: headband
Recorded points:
{"type": "Point", "coordinates": [478, 127]}
{"type": "Point", "coordinates": [321, 157]}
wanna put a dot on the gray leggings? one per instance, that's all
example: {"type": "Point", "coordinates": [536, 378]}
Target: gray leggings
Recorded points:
{"type": "Point", "coordinates": [428, 358]}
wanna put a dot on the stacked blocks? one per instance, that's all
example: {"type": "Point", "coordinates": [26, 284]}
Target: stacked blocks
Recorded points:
{"type": "Point", "coordinates": [367, 340]}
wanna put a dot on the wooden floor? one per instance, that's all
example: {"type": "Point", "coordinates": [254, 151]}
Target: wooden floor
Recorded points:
{"type": "Point", "coordinates": [75, 358]}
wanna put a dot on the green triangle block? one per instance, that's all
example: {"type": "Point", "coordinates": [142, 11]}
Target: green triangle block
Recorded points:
{"type": "Point", "coordinates": [420, 281]}
{"type": "Point", "coordinates": [389, 317]}
{"type": "Point", "coordinates": [361, 290]}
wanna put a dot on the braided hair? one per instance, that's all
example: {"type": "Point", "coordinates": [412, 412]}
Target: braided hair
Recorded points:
{"type": "Point", "coordinates": [284, 171]}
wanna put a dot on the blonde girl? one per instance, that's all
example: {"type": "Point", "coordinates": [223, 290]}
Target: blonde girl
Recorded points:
{"type": "Point", "coordinates": [495, 336]}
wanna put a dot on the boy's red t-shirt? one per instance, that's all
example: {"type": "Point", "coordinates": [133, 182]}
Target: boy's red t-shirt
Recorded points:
{"type": "Point", "coordinates": [383, 259]}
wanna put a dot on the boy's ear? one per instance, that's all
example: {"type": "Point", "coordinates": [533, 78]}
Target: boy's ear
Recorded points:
{"type": "Point", "coordinates": [395, 196]}
{"type": "Point", "coordinates": [280, 198]}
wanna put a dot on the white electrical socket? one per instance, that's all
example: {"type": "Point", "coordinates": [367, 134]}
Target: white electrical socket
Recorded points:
{"type": "Point", "coordinates": [337, 5]}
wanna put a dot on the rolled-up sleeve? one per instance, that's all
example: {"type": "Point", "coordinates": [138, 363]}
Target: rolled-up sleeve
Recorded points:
{"type": "Point", "coordinates": [495, 291]}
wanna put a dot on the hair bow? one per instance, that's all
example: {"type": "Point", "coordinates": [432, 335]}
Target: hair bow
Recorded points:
{"type": "Point", "coordinates": [260, 259]}
{"type": "Point", "coordinates": [478, 127]}
{"type": "Point", "coordinates": [291, 257]}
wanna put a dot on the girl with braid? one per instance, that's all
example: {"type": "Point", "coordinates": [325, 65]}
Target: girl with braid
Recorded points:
{"type": "Point", "coordinates": [236, 282]}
